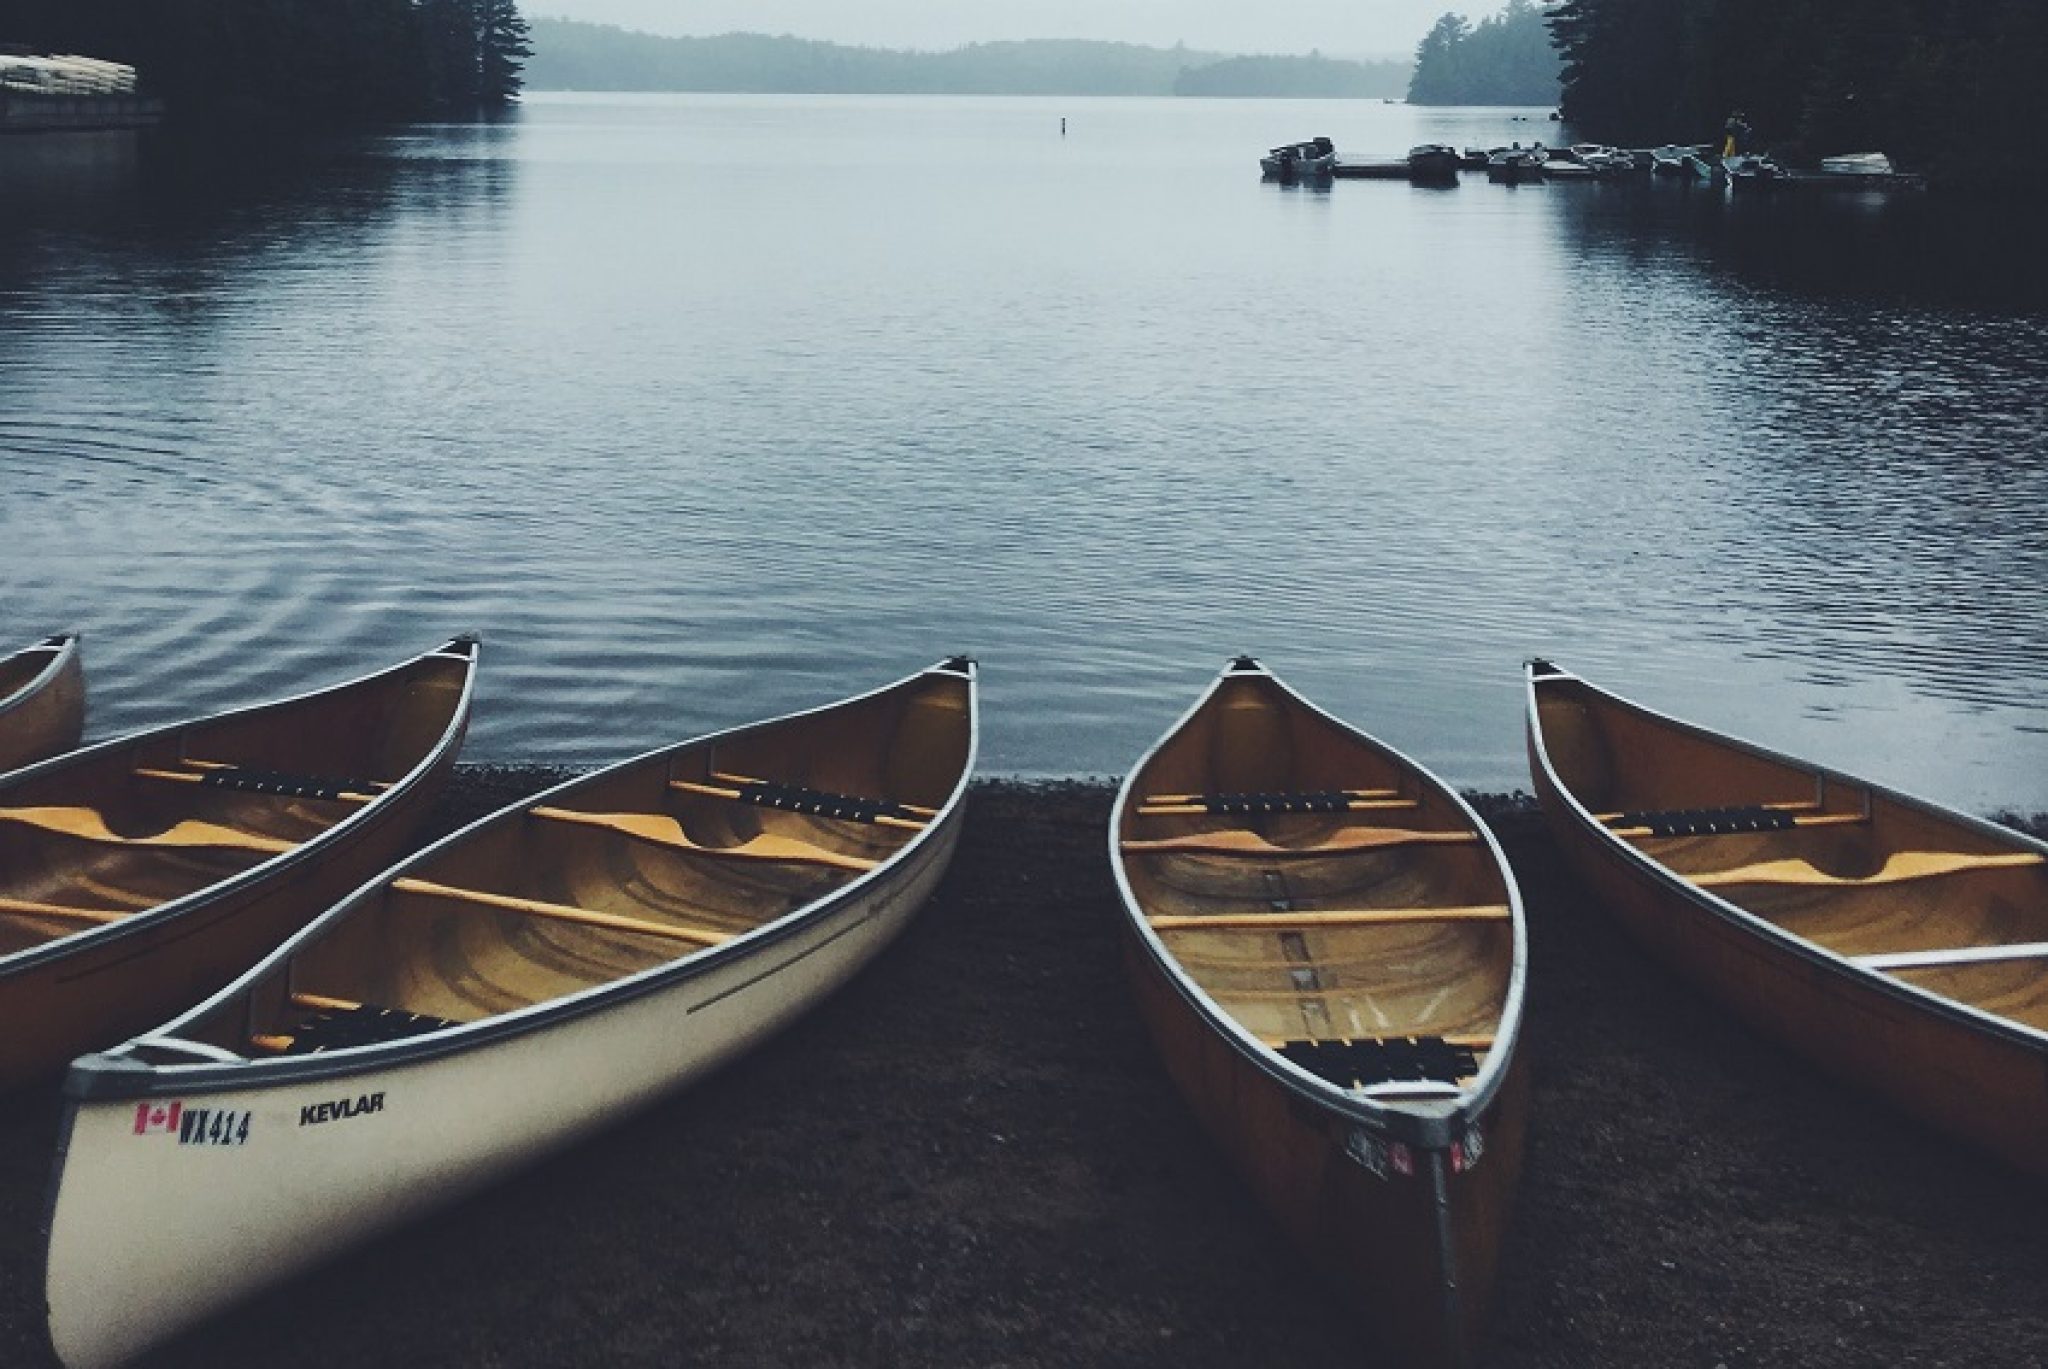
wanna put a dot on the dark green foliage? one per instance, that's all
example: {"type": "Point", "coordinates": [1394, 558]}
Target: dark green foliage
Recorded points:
{"type": "Point", "coordinates": [1935, 83]}
{"type": "Point", "coordinates": [579, 56]}
{"type": "Point", "coordinates": [293, 62]}
{"type": "Point", "coordinates": [1505, 60]}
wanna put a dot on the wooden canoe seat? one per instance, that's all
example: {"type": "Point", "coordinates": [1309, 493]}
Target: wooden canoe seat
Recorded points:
{"type": "Point", "coordinates": [1321, 801]}
{"type": "Point", "coordinates": [1342, 842]}
{"type": "Point", "coordinates": [659, 829]}
{"type": "Point", "coordinates": [1718, 822]}
{"type": "Point", "coordinates": [1384, 1060]}
{"type": "Point", "coordinates": [1312, 920]}
{"type": "Point", "coordinates": [560, 912]}
{"type": "Point", "coordinates": [88, 825]}
{"type": "Point", "coordinates": [1903, 867]}
{"type": "Point", "coordinates": [914, 810]}
{"type": "Point", "coordinates": [817, 803]}
{"type": "Point", "coordinates": [268, 782]}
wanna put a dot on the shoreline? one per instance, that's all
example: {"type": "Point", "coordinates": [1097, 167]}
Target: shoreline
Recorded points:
{"type": "Point", "coordinates": [971, 1156]}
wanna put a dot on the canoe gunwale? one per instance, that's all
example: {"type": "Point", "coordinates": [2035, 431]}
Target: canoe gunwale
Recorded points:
{"type": "Point", "coordinates": [1431, 1125]}
{"type": "Point", "coordinates": [148, 919]}
{"type": "Point", "coordinates": [61, 660]}
{"type": "Point", "coordinates": [115, 1075]}
{"type": "Point", "coordinates": [1772, 935]}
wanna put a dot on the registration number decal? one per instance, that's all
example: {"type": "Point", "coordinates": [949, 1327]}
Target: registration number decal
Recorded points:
{"type": "Point", "coordinates": [213, 1127]}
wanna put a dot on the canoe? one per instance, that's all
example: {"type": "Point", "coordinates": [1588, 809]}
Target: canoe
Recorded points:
{"type": "Point", "coordinates": [42, 701]}
{"type": "Point", "coordinates": [1895, 942]}
{"type": "Point", "coordinates": [537, 975]}
{"type": "Point", "coordinates": [143, 873]}
{"type": "Point", "coordinates": [1327, 946]}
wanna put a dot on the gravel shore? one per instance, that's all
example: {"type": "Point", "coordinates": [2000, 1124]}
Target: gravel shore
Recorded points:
{"type": "Point", "coordinates": [971, 1157]}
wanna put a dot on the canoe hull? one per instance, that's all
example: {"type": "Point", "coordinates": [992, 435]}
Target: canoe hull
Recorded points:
{"type": "Point", "coordinates": [46, 717]}
{"type": "Point", "coordinates": [404, 1138]}
{"type": "Point", "coordinates": [1953, 1071]}
{"type": "Point", "coordinates": [1373, 1238]}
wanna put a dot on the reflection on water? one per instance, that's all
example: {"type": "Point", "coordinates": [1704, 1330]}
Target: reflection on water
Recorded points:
{"type": "Point", "coordinates": [702, 408]}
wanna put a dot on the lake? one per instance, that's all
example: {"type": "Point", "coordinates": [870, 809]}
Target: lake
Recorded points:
{"type": "Point", "coordinates": [706, 408]}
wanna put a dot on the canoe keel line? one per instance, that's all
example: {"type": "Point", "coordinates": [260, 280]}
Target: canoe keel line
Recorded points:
{"type": "Point", "coordinates": [251, 1105]}
{"type": "Point", "coordinates": [1337, 999]}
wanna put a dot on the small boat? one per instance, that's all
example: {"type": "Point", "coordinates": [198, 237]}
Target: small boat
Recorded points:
{"type": "Point", "coordinates": [1858, 164]}
{"type": "Point", "coordinates": [1327, 946]}
{"type": "Point", "coordinates": [1300, 161]}
{"type": "Point", "coordinates": [540, 974]}
{"type": "Point", "coordinates": [143, 873]}
{"type": "Point", "coordinates": [1558, 169]}
{"type": "Point", "coordinates": [1516, 165]}
{"type": "Point", "coordinates": [1669, 160]}
{"type": "Point", "coordinates": [1897, 943]}
{"type": "Point", "coordinates": [1701, 167]}
{"type": "Point", "coordinates": [1433, 162]}
{"type": "Point", "coordinates": [1752, 171]}
{"type": "Point", "coordinates": [42, 701]}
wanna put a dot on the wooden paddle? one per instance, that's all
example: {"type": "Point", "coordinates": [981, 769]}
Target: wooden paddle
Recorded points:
{"type": "Point", "coordinates": [1346, 839]}
{"type": "Point", "coordinates": [1901, 868]}
{"type": "Point", "coordinates": [661, 830]}
{"type": "Point", "coordinates": [89, 825]}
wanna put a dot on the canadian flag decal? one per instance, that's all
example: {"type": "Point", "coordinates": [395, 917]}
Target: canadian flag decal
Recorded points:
{"type": "Point", "coordinates": [155, 1117]}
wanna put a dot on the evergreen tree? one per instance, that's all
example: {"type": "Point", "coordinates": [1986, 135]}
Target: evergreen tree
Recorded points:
{"type": "Point", "coordinates": [505, 44]}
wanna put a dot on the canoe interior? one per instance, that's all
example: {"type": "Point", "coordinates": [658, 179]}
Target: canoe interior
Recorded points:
{"type": "Point", "coordinates": [123, 828]}
{"type": "Point", "coordinates": [42, 702]}
{"type": "Point", "coordinates": [20, 670]}
{"type": "Point", "coordinates": [1851, 869]}
{"type": "Point", "coordinates": [527, 908]}
{"type": "Point", "coordinates": [1409, 937]}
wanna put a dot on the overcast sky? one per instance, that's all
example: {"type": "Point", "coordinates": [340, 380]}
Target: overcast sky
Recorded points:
{"type": "Point", "coordinates": [1336, 27]}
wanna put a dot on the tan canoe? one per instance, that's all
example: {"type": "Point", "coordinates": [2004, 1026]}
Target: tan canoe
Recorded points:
{"type": "Point", "coordinates": [42, 701]}
{"type": "Point", "coordinates": [141, 874]}
{"type": "Point", "coordinates": [1328, 948]}
{"type": "Point", "coordinates": [540, 974]}
{"type": "Point", "coordinates": [1893, 941]}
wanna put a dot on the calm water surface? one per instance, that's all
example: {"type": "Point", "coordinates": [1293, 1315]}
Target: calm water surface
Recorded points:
{"type": "Point", "coordinates": [706, 408]}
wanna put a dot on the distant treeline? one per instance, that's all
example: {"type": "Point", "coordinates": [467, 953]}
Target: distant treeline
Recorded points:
{"type": "Point", "coordinates": [1505, 60]}
{"type": "Point", "coordinates": [569, 55]}
{"type": "Point", "coordinates": [1950, 85]}
{"type": "Point", "coordinates": [295, 62]}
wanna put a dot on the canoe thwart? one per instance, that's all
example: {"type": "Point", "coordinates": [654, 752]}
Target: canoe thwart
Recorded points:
{"type": "Point", "coordinates": [1718, 822]}
{"type": "Point", "coordinates": [817, 803]}
{"type": "Point", "coordinates": [1320, 801]}
{"type": "Point", "coordinates": [88, 825]}
{"type": "Point", "coordinates": [269, 782]}
{"type": "Point", "coordinates": [1384, 1060]}
{"type": "Point", "coordinates": [559, 912]}
{"type": "Point", "coordinates": [1903, 866]}
{"type": "Point", "coordinates": [1306, 920]}
{"type": "Point", "coordinates": [659, 829]}
{"type": "Point", "coordinates": [1342, 842]}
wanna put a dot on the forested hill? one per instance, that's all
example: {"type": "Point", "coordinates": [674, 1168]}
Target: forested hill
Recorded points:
{"type": "Point", "coordinates": [1505, 60]}
{"type": "Point", "coordinates": [570, 55]}
{"type": "Point", "coordinates": [1943, 84]}
{"type": "Point", "coordinates": [292, 63]}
